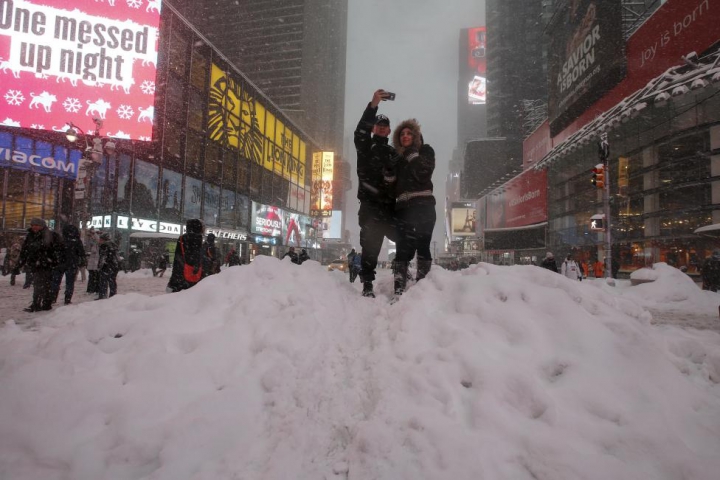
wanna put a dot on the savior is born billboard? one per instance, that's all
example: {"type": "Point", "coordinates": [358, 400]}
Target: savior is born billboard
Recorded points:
{"type": "Point", "coordinates": [587, 57]}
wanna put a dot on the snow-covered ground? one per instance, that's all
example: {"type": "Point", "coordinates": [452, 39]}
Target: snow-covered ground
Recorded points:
{"type": "Point", "coordinates": [279, 371]}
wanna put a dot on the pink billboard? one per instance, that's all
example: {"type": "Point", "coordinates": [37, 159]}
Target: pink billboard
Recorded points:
{"type": "Point", "coordinates": [64, 62]}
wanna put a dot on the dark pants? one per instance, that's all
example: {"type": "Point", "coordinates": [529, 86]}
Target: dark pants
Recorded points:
{"type": "Point", "coordinates": [70, 275]}
{"type": "Point", "coordinates": [29, 278]}
{"type": "Point", "coordinates": [415, 226]}
{"type": "Point", "coordinates": [376, 223]}
{"type": "Point", "coordinates": [107, 279]}
{"type": "Point", "coordinates": [42, 290]}
{"type": "Point", "coordinates": [93, 281]}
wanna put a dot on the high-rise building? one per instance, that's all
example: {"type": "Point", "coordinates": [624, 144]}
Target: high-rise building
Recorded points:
{"type": "Point", "coordinates": [516, 66]}
{"type": "Point", "coordinates": [292, 50]}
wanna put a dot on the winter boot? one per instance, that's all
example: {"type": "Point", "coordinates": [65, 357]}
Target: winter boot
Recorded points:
{"type": "Point", "coordinates": [423, 268]}
{"type": "Point", "coordinates": [368, 290]}
{"type": "Point", "coordinates": [400, 270]}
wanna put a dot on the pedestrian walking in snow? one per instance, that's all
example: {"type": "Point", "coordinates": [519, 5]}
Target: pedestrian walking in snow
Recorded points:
{"type": "Point", "coordinates": [211, 258]}
{"type": "Point", "coordinates": [92, 250]}
{"type": "Point", "coordinates": [73, 254]}
{"type": "Point", "coordinates": [108, 267]}
{"type": "Point", "coordinates": [12, 260]}
{"type": "Point", "coordinates": [711, 272]}
{"type": "Point", "coordinates": [40, 254]}
{"type": "Point", "coordinates": [570, 268]}
{"type": "Point", "coordinates": [187, 266]}
{"type": "Point", "coordinates": [549, 262]}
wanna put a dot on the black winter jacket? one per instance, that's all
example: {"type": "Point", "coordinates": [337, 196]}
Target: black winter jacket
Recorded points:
{"type": "Point", "coordinates": [41, 250]}
{"type": "Point", "coordinates": [374, 155]}
{"type": "Point", "coordinates": [73, 254]}
{"type": "Point", "coordinates": [108, 262]}
{"type": "Point", "coordinates": [550, 264]}
{"type": "Point", "coordinates": [192, 242]}
{"type": "Point", "coordinates": [413, 170]}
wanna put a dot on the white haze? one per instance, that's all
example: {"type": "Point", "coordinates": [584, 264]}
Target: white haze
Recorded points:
{"type": "Point", "coordinates": [409, 47]}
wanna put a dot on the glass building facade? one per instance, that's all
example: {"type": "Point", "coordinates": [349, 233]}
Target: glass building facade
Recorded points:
{"type": "Point", "coordinates": [218, 145]}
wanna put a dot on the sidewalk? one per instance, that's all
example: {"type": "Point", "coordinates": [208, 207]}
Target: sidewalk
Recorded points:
{"type": "Point", "coordinates": [13, 299]}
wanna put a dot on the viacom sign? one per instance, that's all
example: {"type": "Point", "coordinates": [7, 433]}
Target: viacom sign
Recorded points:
{"type": "Point", "coordinates": [58, 165]}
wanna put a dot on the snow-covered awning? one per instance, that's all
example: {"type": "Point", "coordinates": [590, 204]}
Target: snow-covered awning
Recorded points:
{"type": "Point", "coordinates": [154, 235]}
{"type": "Point", "coordinates": [692, 75]}
{"type": "Point", "coordinates": [515, 229]}
{"type": "Point", "coordinates": [713, 229]}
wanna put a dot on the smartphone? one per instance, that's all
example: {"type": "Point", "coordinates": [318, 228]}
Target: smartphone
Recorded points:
{"type": "Point", "coordinates": [390, 96]}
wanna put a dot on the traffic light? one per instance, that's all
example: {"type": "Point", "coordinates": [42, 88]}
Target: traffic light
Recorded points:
{"type": "Point", "coordinates": [598, 178]}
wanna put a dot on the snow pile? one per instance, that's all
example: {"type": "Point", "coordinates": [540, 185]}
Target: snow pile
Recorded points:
{"type": "Point", "coordinates": [648, 274]}
{"type": "Point", "coordinates": [672, 290]}
{"type": "Point", "coordinates": [275, 371]}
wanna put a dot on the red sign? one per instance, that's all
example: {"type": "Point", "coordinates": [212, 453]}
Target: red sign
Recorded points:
{"type": "Point", "coordinates": [74, 61]}
{"type": "Point", "coordinates": [522, 202]}
{"type": "Point", "coordinates": [477, 65]}
{"type": "Point", "coordinates": [537, 145]}
{"type": "Point", "coordinates": [677, 28]}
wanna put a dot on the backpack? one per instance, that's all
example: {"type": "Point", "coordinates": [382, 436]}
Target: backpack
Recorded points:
{"type": "Point", "coordinates": [190, 274]}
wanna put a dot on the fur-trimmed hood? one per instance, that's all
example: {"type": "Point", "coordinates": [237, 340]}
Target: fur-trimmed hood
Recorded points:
{"type": "Point", "coordinates": [414, 126]}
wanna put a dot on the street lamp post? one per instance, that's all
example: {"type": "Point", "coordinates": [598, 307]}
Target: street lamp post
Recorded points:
{"type": "Point", "coordinates": [91, 159]}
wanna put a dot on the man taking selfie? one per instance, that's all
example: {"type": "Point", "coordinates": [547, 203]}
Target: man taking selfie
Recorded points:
{"type": "Point", "coordinates": [375, 163]}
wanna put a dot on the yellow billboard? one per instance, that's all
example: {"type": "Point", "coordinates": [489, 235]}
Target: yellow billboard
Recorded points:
{"type": "Point", "coordinates": [238, 120]}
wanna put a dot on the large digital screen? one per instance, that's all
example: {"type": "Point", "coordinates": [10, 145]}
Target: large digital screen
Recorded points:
{"type": "Point", "coordinates": [64, 61]}
{"type": "Point", "coordinates": [267, 220]}
{"type": "Point", "coordinates": [477, 66]}
{"type": "Point", "coordinates": [321, 193]}
{"type": "Point", "coordinates": [464, 219]}
{"type": "Point", "coordinates": [332, 225]}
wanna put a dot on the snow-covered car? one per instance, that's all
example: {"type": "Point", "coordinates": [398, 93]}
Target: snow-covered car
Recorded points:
{"type": "Point", "coordinates": [338, 264]}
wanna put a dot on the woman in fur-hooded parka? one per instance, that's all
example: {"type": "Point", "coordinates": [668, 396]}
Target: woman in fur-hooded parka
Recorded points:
{"type": "Point", "coordinates": [414, 202]}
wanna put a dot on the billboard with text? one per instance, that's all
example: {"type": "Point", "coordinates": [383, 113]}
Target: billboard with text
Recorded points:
{"type": "Point", "coordinates": [464, 219]}
{"type": "Point", "coordinates": [66, 61]}
{"type": "Point", "coordinates": [267, 220]}
{"type": "Point", "coordinates": [520, 203]}
{"type": "Point", "coordinates": [476, 66]}
{"type": "Point", "coordinates": [587, 57]}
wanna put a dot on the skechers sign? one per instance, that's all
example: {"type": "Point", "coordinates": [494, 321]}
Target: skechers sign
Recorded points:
{"type": "Point", "coordinates": [59, 167]}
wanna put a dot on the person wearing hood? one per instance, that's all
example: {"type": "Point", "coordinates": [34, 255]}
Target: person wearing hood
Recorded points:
{"type": "Point", "coordinates": [711, 272]}
{"type": "Point", "coordinates": [414, 201]}
{"type": "Point", "coordinates": [41, 254]}
{"type": "Point", "coordinates": [233, 258]}
{"type": "Point", "coordinates": [187, 266]}
{"type": "Point", "coordinates": [376, 216]}
{"type": "Point", "coordinates": [549, 262]}
{"type": "Point", "coordinates": [12, 260]}
{"type": "Point", "coordinates": [570, 268]}
{"type": "Point", "coordinates": [211, 261]}
{"type": "Point", "coordinates": [108, 267]}
{"type": "Point", "coordinates": [292, 254]}
{"type": "Point", "coordinates": [73, 255]}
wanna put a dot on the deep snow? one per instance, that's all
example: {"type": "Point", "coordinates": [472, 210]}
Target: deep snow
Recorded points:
{"type": "Point", "coordinates": [275, 371]}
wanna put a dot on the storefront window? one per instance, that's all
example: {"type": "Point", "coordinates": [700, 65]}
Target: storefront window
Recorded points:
{"type": "Point", "coordinates": [242, 207]}
{"type": "Point", "coordinates": [123, 189]}
{"type": "Point", "coordinates": [193, 197]}
{"type": "Point", "coordinates": [211, 206]}
{"type": "Point", "coordinates": [170, 195]}
{"type": "Point", "coordinates": [227, 208]}
{"type": "Point", "coordinates": [145, 185]}
{"type": "Point", "coordinates": [14, 203]}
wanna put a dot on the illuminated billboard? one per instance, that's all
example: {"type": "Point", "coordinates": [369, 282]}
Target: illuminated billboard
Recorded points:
{"type": "Point", "coordinates": [267, 220]}
{"type": "Point", "coordinates": [321, 193]}
{"type": "Point", "coordinates": [66, 62]}
{"type": "Point", "coordinates": [476, 66]}
{"type": "Point", "coordinates": [332, 225]}
{"type": "Point", "coordinates": [237, 119]}
{"type": "Point", "coordinates": [464, 219]}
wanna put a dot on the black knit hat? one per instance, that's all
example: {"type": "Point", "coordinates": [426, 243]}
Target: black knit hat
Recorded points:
{"type": "Point", "coordinates": [382, 120]}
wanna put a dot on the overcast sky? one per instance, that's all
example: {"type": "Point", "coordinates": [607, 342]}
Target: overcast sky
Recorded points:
{"type": "Point", "coordinates": [409, 47]}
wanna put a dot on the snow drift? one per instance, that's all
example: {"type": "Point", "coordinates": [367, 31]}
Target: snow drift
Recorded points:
{"type": "Point", "coordinates": [279, 371]}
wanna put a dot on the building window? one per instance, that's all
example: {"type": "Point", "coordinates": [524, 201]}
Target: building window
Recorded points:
{"type": "Point", "coordinates": [213, 163]}
{"type": "Point", "coordinates": [170, 195]}
{"type": "Point", "coordinates": [193, 197]}
{"type": "Point", "coordinates": [145, 188]}
{"type": "Point", "coordinates": [14, 203]}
